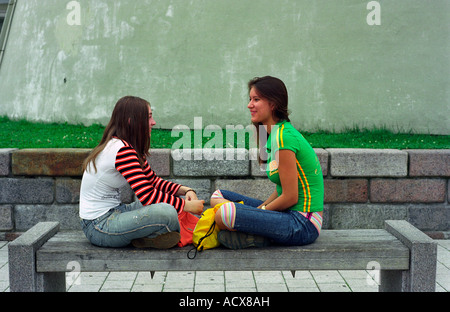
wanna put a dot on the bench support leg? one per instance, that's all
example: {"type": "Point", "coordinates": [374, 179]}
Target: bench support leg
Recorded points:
{"type": "Point", "coordinates": [421, 276]}
{"type": "Point", "coordinates": [51, 282]}
{"type": "Point", "coordinates": [22, 262]}
{"type": "Point", "coordinates": [391, 281]}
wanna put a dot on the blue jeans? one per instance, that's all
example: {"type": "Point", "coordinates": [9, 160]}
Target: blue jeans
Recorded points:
{"type": "Point", "coordinates": [285, 228]}
{"type": "Point", "coordinates": [119, 226]}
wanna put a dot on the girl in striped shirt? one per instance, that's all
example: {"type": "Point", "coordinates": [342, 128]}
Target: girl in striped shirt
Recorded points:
{"type": "Point", "coordinates": [119, 160]}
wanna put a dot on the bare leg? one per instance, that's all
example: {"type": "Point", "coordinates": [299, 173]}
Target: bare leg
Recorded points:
{"type": "Point", "coordinates": [216, 201]}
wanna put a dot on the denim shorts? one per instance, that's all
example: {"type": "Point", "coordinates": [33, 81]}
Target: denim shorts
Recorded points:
{"type": "Point", "coordinates": [120, 225]}
{"type": "Point", "coordinates": [285, 228]}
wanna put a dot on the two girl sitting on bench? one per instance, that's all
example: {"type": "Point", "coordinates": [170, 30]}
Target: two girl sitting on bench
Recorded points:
{"type": "Point", "coordinates": [291, 215]}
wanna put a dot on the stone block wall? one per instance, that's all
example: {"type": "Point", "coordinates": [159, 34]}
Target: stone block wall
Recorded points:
{"type": "Point", "coordinates": [363, 187]}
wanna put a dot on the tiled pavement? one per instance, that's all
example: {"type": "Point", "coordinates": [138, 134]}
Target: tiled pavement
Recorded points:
{"type": "Point", "coordinates": [231, 281]}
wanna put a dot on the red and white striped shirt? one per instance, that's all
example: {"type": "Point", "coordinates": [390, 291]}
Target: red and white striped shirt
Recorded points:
{"type": "Point", "coordinates": [118, 165]}
{"type": "Point", "coordinates": [148, 187]}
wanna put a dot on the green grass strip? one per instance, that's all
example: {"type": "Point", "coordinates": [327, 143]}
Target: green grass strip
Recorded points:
{"type": "Point", "coordinates": [24, 134]}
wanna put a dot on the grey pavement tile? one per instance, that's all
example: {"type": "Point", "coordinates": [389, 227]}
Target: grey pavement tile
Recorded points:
{"type": "Point", "coordinates": [4, 286]}
{"type": "Point", "coordinates": [239, 289]}
{"type": "Point", "coordinates": [85, 288]}
{"type": "Point", "coordinates": [334, 287]}
{"type": "Point", "coordinates": [444, 243]}
{"type": "Point", "coordinates": [179, 282]}
{"type": "Point", "coordinates": [208, 278]}
{"type": "Point", "coordinates": [115, 290]}
{"type": "Point", "coordinates": [301, 283]}
{"type": "Point", "coordinates": [144, 278]}
{"type": "Point", "coordinates": [362, 285]}
{"type": "Point", "coordinates": [327, 277]}
{"type": "Point", "coordinates": [209, 287]}
{"type": "Point", "coordinates": [303, 289]}
{"type": "Point", "coordinates": [177, 289]}
{"type": "Point", "coordinates": [357, 274]}
{"type": "Point", "coordinates": [4, 273]}
{"type": "Point", "coordinates": [147, 287]}
{"type": "Point", "coordinates": [298, 275]}
{"type": "Point", "coordinates": [240, 284]}
{"type": "Point", "coordinates": [271, 287]}
{"type": "Point", "coordinates": [114, 284]}
{"type": "Point", "coordinates": [121, 276]}
{"type": "Point", "coordinates": [92, 278]}
{"type": "Point", "coordinates": [238, 275]}
{"type": "Point", "coordinates": [444, 256]}
{"type": "Point", "coordinates": [268, 277]}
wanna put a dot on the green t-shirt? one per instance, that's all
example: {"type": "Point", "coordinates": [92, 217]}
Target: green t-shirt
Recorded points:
{"type": "Point", "coordinates": [310, 180]}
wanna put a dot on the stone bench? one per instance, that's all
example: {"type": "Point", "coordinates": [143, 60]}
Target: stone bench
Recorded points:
{"type": "Point", "coordinates": [406, 257]}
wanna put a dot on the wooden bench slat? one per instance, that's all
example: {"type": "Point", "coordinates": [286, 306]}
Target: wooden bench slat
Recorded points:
{"type": "Point", "coordinates": [334, 250]}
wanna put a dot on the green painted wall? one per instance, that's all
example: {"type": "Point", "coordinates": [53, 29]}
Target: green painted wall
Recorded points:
{"type": "Point", "coordinates": [194, 58]}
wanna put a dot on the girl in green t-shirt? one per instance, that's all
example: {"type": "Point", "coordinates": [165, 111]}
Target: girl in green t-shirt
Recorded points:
{"type": "Point", "coordinates": [292, 214]}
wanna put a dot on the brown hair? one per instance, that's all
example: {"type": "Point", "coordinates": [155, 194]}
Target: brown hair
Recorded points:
{"type": "Point", "coordinates": [129, 122]}
{"type": "Point", "coordinates": [275, 91]}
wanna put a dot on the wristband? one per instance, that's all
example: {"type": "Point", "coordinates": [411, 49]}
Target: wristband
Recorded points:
{"type": "Point", "coordinates": [190, 190]}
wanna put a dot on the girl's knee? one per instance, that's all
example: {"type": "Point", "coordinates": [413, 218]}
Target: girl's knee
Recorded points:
{"type": "Point", "coordinates": [217, 198]}
{"type": "Point", "coordinates": [226, 216]}
{"type": "Point", "coordinates": [217, 195]}
{"type": "Point", "coordinates": [164, 214]}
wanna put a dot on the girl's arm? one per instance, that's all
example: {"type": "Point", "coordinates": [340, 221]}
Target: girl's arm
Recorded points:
{"type": "Point", "coordinates": [188, 192]}
{"type": "Point", "coordinates": [287, 169]}
{"type": "Point", "coordinates": [271, 198]}
{"type": "Point", "coordinates": [148, 188]}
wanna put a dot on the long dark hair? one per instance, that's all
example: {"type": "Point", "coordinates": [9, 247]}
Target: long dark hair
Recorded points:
{"type": "Point", "coordinates": [275, 91]}
{"type": "Point", "coordinates": [129, 122]}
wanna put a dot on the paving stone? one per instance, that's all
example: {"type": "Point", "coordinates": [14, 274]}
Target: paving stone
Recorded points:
{"type": "Point", "coordinates": [348, 162]}
{"type": "Point", "coordinates": [258, 188]}
{"type": "Point", "coordinates": [84, 288]}
{"type": "Point", "coordinates": [209, 277]}
{"type": "Point", "coordinates": [258, 170]}
{"type": "Point", "coordinates": [429, 217]}
{"type": "Point", "coordinates": [5, 161]}
{"type": "Point", "coordinates": [26, 191]}
{"type": "Point", "coordinates": [341, 287]}
{"type": "Point", "coordinates": [210, 162]}
{"type": "Point", "coordinates": [369, 216]}
{"type": "Point", "coordinates": [327, 277]}
{"type": "Point", "coordinates": [67, 191]}
{"type": "Point", "coordinates": [147, 288]}
{"type": "Point", "coordinates": [179, 281]}
{"type": "Point", "coordinates": [120, 284]}
{"type": "Point", "coordinates": [49, 162]}
{"type": "Point", "coordinates": [272, 287]}
{"type": "Point", "coordinates": [209, 287]}
{"type": "Point", "coordinates": [361, 285]}
{"type": "Point", "coordinates": [346, 190]}
{"type": "Point", "coordinates": [268, 277]}
{"type": "Point", "coordinates": [429, 163]}
{"type": "Point", "coordinates": [407, 190]}
{"type": "Point", "coordinates": [159, 161]}
{"type": "Point", "coordinates": [6, 218]}
{"type": "Point", "coordinates": [201, 186]}
{"type": "Point", "coordinates": [26, 216]}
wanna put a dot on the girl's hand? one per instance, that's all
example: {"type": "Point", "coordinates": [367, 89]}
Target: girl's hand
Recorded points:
{"type": "Point", "coordinates": [190, 195]}
{"type": "Point", "coordinates": [194, 206]}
